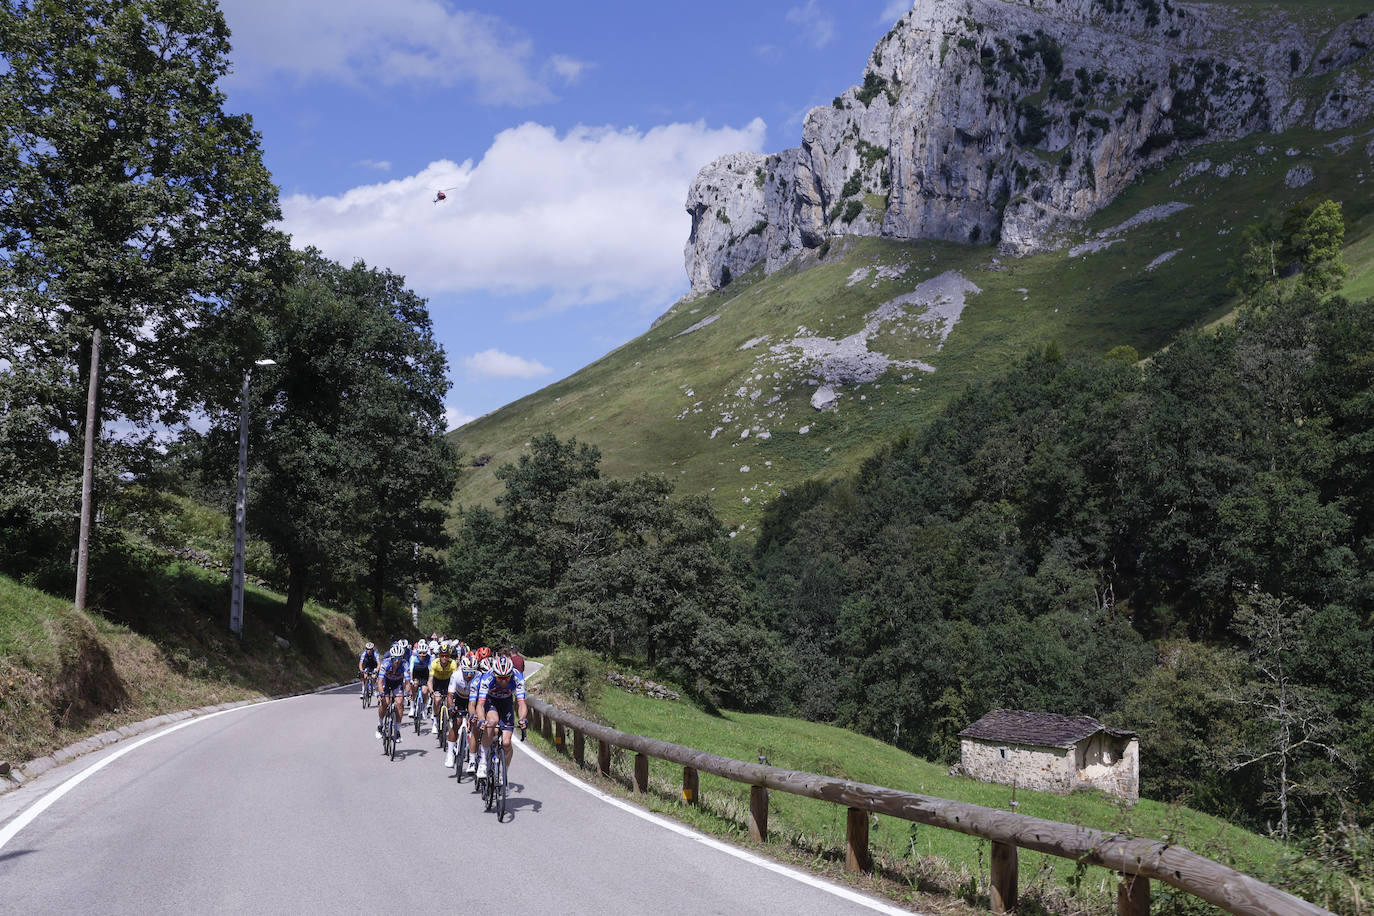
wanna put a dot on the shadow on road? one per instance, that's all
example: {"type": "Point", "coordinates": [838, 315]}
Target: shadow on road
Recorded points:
{"type": "Point", "coordinates": [518, 803]}
{"type": "Point", "coordinates": [5, 857]}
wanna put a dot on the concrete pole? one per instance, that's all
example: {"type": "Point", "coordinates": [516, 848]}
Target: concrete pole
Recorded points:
{"type": "Point", "coordinates": [240, 513]}
{"type": "Point", "coordinates": [83, 542]}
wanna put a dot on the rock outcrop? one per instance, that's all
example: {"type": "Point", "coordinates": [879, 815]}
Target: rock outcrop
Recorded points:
{"type": "Point", "coordinates": [1011, 121]}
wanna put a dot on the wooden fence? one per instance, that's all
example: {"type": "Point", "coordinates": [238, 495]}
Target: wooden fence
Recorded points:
{"type": "Point", "coordinates": [1139, 861]}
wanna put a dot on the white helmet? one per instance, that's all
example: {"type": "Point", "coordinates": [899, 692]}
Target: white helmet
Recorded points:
{"type": "Point", "coordinates": [484, 665]}
{"type": "Point", "coordinates": [398, 652]}
{"type": "Point", "coordinates": [368, 647]}
{"type": "Point", "coordinates": [422, 648]}
{"type": "Point", "coordinates": [502, 666]}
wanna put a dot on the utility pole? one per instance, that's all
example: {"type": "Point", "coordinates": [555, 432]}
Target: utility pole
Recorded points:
{"type": "Point", "coordinates": [83, 541]}
{"type": "Point", "coordinates": [241, 508]}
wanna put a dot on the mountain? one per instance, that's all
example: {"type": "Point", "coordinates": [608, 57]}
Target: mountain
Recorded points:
{"type": "Point", "coordinates": [1011, 122]}
{"type": "Point", "coordinates": [965, 203]}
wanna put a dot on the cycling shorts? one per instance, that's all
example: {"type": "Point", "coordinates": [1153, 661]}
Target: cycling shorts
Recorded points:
{"type": "Point", "coordinates": [371, 666]}
{"type": "Point", "coordinates": [392, 686]}
{"type": "Point", "coordinates": [505, 709]}
{"type": "Point", "coordinates": [441, 686]}
{"type": "Point", "coordinates": [419, 673]}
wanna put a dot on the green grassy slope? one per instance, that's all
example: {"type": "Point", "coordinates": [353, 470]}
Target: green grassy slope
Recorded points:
{"type": "Point", "coordinates": [817, 827]}
{"type": "Point", "coordinates": [652, 404]}
{"type": "Point", "coordinates": [65, 676]}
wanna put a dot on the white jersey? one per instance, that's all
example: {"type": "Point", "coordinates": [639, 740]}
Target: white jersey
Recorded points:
{"type": "Point", "coordinates": [460, 686]}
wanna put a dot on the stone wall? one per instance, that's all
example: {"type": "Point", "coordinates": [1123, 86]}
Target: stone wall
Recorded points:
{"type": "Point", "coordinates": [1110, 765]}
{"type": "Point", "coordinates": [1049, 769]}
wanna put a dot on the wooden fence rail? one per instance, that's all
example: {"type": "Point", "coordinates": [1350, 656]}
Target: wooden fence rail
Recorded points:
{"type": "Point", "coordinates": [1137, 860]}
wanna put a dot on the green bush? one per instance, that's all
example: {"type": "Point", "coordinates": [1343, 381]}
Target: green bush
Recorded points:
{"type": "Point", "coordinates": [577, 674]}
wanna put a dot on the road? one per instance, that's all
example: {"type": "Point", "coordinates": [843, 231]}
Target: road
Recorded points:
{"type": "Point", "coordinates": [290, 807]}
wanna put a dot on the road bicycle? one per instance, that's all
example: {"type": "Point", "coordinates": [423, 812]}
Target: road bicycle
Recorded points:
{"type": "Point", "coordinates": [461, 754]}
{"type": "Point", "coordinates": [369, 689]}
{"type": "Point", "coordinates": [418, 707]}
{"type": "Point", "coordinates": [441, 723]}
{"type": "Point", "coordinates": [497, 791]}
{"type": "Point", "coordinates": [391, 729]}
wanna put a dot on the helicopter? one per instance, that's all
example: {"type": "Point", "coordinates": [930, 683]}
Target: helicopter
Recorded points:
{"type": "Point", "coordinates": [441, 195]}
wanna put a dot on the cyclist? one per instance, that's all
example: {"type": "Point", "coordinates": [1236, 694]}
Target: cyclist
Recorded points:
{"type": "Point", "coordinates": [391, 682]}
{"type": "Point", "coordinates": [481, 662]}
{"type": "Point", "coordinates": [419, 677]}
{"type": "Point", "coordinates": [461, 702]}
{"type": "Point", "coordinates": [368, 663]}
{"type": "Point", "coordinates": [498, 693]}
{"type": "Point", "coordinates": [441, 671]}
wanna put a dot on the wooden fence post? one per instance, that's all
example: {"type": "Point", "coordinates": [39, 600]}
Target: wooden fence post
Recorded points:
{"type": "Point", "coordinates": [546, 728]}
{"type": "Point", "coordinates": [579, 747]}
{"type": "Point", "coordinates": [856, 857]}
{"type": "Point", "coordinates": [641, 772]}
{"type": "Point", "coordinates": [534, 718]}
{"type": "Point", "coordinates": [603, 758]}
{"type": "Point", "coordinates": [560, 737]}
{"type": "Point", "coordinates": [758, 813]}
{"type": "Point", "coordinates": [1133, 896]}
{"type": "Point", "coordinates": [691, 785]}
{"type": "Point", "coordinates": [1002, 890]}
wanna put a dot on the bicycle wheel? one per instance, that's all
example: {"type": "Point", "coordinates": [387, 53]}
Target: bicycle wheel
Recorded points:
{"type": "Point", "coordinates": [502, 789]}
{"type": "Point", "coordinates": [388, 741]}
{"type": "Point", "coordinates": [489, 795]}
{"type": "Point", "coordinates": [460, 758]}
{"type": "Point", "coordinates": [441, 724]}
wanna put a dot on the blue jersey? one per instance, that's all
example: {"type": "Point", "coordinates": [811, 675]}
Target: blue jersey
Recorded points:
{"type": "Point", "coordinates": [372, 655]}
{"type": "Point", "coordinates": [394, 668]}
{"type": "Point", "coordinates": [419, 661]}
{"type": "Point", "coordinates": [490, 687]}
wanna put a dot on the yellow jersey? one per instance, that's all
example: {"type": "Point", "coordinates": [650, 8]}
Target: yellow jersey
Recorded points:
{"type": "Point", "coordinates": [441, 672]}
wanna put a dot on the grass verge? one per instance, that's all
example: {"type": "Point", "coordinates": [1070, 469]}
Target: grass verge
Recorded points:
{"type": "Point", "coordinates": [918, 866]}
{"type": "Point", "coordinates": [65, 676]}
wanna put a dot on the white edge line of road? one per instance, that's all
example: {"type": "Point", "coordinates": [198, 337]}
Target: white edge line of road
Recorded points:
{"type": "Point", "coordinates": [26, 817]}
{"type": "Point", "coordinates": [760, 861]}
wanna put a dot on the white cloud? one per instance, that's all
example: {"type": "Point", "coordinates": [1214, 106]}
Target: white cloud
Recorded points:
{"type": "Point", "coordinates": [381, 165]}
{"type": "Point", "coordinates": [816, 25]}
{"type": "Point", "coordinates": [895, 10]}
{"type": "Point", "coordinates": [455, 417]}
{"type": "Point", "coordinates": [492, 364]}
{"type": "Point", "coordinates": [397, 42]}
{"type": "Point", "coordinates": [568, 69]}
{"type": "Point", "coordinates": [589, 216]}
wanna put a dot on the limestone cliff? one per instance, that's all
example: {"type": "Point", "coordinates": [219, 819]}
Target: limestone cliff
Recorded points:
{"type": "Point", "coordinates": [1011, 121]}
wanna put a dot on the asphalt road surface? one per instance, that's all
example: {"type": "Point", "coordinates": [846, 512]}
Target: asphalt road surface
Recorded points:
{"type": "Point", "coordinates": [290, 807]}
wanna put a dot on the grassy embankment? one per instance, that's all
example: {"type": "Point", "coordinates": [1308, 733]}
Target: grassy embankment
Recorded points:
{"type": "Point", "coordinates": [677, 400]}
{"type": "Point", "coordinates": [65, 676]}
{"type": "Point", "coordinates": [916, 864]}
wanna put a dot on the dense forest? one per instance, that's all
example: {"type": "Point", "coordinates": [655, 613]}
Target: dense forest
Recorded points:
{"type": "Point", "coordinates": [1183, 546]}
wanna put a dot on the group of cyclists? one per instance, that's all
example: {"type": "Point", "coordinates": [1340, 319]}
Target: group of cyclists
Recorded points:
{"type": "Point", "coordinates": [486, 685]}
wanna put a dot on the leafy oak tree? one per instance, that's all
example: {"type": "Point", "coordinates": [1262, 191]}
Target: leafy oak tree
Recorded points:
{"type": "Point", "coordinates": [350, 467]}
{"type": "Point", "coordinates": [135, 214]}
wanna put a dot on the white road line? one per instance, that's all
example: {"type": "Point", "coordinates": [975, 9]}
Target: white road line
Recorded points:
{"type": "Point", "coordinates": [820, 883]}
{"type": "Point", "coordinates": [27, 816]}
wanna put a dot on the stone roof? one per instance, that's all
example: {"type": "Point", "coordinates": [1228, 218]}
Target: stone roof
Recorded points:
{"type": "Point", "coordinates": [1041, 729]}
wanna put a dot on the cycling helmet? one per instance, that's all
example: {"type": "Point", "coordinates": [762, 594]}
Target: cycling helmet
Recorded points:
{"type": "Point", "coordinates": [484, 652]}
{"type": "Point", "coordinates": [398, 652]}
{"type": "Point", "coordinates": [444, 649]}
{"type": "Point", "coordinates": [469, 666]}
{"type": "Point", "coordinates": [369, 647]}
{"type": "Point", "coordinates": [422, 648]}
{"type": "Point", "coordinates": [484, 665]}
{"type": "Point", "coordinates": [502, 667]}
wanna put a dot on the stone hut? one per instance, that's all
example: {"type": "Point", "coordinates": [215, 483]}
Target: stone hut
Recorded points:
{"type": "Point", "coordinates": [1050, 752]}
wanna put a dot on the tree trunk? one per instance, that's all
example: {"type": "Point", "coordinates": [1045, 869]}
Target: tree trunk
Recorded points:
{"type": "Point", "coordinates": [378, 581]}
{"type": "Point", "coordinates": [295, 597]}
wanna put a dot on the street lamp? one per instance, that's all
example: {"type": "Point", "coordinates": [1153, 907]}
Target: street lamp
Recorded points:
{"type": "Point", "coordinates": [241, 505]}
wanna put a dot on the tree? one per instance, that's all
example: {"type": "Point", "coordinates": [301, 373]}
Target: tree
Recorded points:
{"type": "Point", "coordinates": [1292, 737]}
{"type": "Point", "coordinates": [351, 472]}
{"type": "Point", "coordinates": [134, 209]}
{"type": "Point", "coordinates": [1318, 242]}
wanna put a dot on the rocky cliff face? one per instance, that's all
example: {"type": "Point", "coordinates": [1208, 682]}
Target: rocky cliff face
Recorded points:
{"type": "Point", "coordinates": [1010, 121]}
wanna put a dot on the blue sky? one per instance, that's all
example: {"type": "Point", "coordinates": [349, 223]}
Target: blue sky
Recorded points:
{"type": "Point", "coordinates": [566, 134]}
